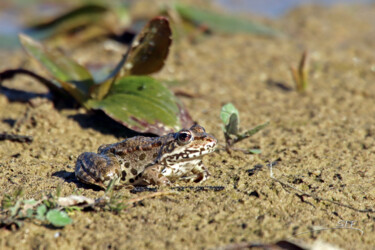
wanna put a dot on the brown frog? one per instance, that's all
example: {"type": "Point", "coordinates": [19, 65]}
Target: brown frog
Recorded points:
{"type": "Point", "coordinates": [144, 160]}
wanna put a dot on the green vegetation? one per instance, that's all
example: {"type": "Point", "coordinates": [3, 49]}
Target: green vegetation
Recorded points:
{"type": "Point", "coordinates": [222, 23]}
{"type": "Point", "coordinates": [125, 94]}
{"type": "Point", "coordinates": [15, 210]}
{"type": "Point", "coordinates": [231, 120]}
{"type": "Point", "coordinates": [53, 210]}
{"type": "Point", "coordinates": [300, 74]}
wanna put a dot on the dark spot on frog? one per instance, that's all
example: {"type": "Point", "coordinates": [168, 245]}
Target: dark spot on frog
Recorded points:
{"type": "Point", "coordinates": [142, 156]}
{"type": "Point", "coordinates": [131, 180]}
{"type": "Point", "coordinates": [134, 171]}
{"type": "Point", "coordinates": [170, 147]}
{"type": "Point", "coordinates": [127, 164]}
{"type": "Point", "coordinates": [123, 177]}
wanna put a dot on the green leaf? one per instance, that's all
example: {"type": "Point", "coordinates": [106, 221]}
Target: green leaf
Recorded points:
{"type": "Point", "coordinates": [15, 209]}
{"type": "Point", "coordinates": [255, 151]}
{"type": "Point", "coordinates": [41, 211]}
{"type": "Point", "coordinates": [232, 127]}
{"type": "Point", "coordinates": [231, 118]}
{"type": "Point", "coordinates": [73, 77]}
{"type": "Point", "coordinates": [29, 213]}
{"type": "Point", "coordinates": [252, 131]}
{"type": "Point", "coordinates": [222, 23]}
{"type": "Point", "coordinates": [73, 208]}
{"type": "Point", "coordinates": [143, 104]}
{"type": "Point", "coordinates": [73, 19]}
{"type": "Point", "coordinates": [58, 218]}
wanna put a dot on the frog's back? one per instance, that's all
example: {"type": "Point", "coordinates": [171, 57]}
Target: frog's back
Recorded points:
{"type": "Point", "coordinates": [133, 155]}
{"type": "Point", "coordinates": [131, 145]}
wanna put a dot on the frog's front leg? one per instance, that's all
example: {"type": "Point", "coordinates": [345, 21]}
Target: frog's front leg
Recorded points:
{"type": "Point", "coordinates": [152, 175]}
{"type": "Point", "coordinates": [97, 169]}
{"type": "Point", "coordinates": [199, 173]}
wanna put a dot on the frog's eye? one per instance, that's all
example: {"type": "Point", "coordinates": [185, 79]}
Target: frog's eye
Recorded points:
{"type": "Point", "coordinates": [184, 137]}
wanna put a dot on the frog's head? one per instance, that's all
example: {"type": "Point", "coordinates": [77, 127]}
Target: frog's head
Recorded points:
{"type": "Point", "coordinates": [188, 144]}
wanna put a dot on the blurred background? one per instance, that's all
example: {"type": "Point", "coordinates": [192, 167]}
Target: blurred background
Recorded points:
{"type": "Point", "coordinates": [275, 8]}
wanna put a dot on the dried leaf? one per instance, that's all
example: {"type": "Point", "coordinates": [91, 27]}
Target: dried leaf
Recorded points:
{"type": "Point", "coordinates": [147, 55]}
{"type": "Point", "coordinates": [149, 49]}
{"type": "Point", "coordinates": [74, 200]}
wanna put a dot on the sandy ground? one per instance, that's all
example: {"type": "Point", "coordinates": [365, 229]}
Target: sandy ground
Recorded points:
{"type": "Point", "coordinates": [322, 141]}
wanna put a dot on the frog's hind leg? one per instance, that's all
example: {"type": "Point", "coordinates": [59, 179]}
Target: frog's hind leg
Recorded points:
{"type": "Point", "coordinates": [152, 176]}
{"type": "Point", "coordinates": [199, 173]}
{"type": "Point", "coordinates": [96, 169]}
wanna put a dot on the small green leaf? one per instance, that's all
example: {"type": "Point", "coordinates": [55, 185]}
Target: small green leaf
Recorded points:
{"type": "Point", "coordinates": [143, 104]}
{"type": "Point", "coordinates": [41, 211]}
{"type": "Point", "coordinates": [73, 77]}
{"type": "Point", "coordinates": [222, 23]}
{"type": "Point", "coordinates": [73, 208]}
{"type": "Point", "coordinates": [29, 213]}
{"type": "Point", "coordinates": [255, 151]}
{"type": "Point", "coordinates": [232, 127]}
{"type": "Point", "coordinates": [252, 131]}
{"type": "Point", "coordinates": [58, 218]}
{"type": "Point", "coordinates": [15, 209]}
{"type": "Point", "coordinates": [231, 118]}
{"type": "Point", "coordinates": [48, 203]}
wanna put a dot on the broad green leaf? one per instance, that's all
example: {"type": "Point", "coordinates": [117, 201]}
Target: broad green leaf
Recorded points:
{"type": "Point", "coordinates": [73, 77]}
{"type": "Point", "coordinates": [231, 118]}
{"type": "Point", "coordinates": [222, 23]}
{"type": "Point", "coordinates": [150, 48]}
{"type": "Point", "coordinates": [58, 218]}
{"type": "Point", "coordinates": [143, 104]}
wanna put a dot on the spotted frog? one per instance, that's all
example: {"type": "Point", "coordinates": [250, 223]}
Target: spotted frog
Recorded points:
{"type": "Point", "coordinates": [142, 161]}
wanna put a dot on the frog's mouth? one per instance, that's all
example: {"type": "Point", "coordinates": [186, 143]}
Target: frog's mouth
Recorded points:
{"type": "Point", "coordinates": [198, 151]}
{"type": "Point", "coordinates": [193, 151]}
